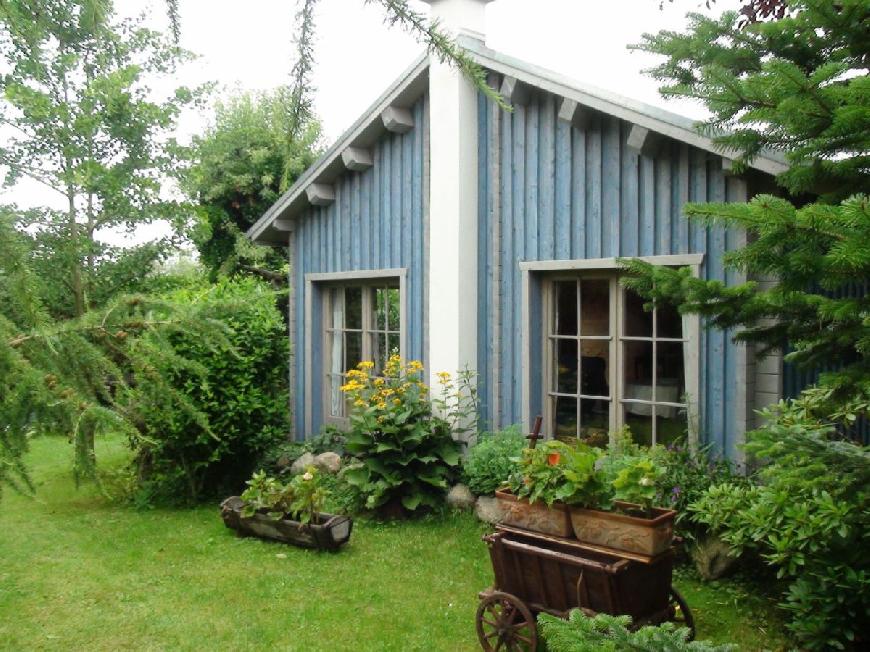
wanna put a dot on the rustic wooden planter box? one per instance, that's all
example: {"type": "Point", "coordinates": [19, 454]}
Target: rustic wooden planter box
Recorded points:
{"type": "Point", "coordinates": [329, 533]}
{"type": "Point", "coordinates": [620, 531]}
{"type": "Point", "coordinates": [538, 517]}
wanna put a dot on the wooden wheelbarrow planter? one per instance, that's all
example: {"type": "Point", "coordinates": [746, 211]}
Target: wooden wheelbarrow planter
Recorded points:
{"type": "Point", "coordinates": [329, 533]}
{"type": "Point", "coordinates": [537, 573]}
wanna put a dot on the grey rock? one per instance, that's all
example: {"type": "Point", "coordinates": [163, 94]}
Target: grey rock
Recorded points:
{"type": "Point", "coordinates": [329, 462]}
{"type": "Point", "coordinates": [302, 462]}
{"type": "Point", "coordinates": [488, 509]}
{"type": "Point", "coordinates": [460, 497]}
{"type": "Point", "coordinates": [713, 558]}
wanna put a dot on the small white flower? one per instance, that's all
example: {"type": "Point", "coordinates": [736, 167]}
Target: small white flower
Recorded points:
{"type": "Point", "coordinates": [646, 481]}
{"type": "Point", "coordinates": [307, 476]}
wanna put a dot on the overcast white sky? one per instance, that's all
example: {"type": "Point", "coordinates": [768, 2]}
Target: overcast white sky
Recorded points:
{"type": "Point", "coordinates": [249, 45]}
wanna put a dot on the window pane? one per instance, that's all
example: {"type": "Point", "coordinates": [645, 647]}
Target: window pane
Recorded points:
{"type": "Point", "coordinates": [392, 344]}
{"type": "Point", "coordinates": [337, 302]}
{"type": "Point", "coordinates": [594, 365]}
{"type": "Point", "coordinates": [671, 424]}
{"type": "Point", "coordinates": [669, 322]}
{"type": "Point", "coordinates": [638, 418]}
{"type": "Point", "coordinates": [637, 368]}
{"type": "Point", "coordinates": [594, 421]}
{"type": "Point", "coordinates": [565, 366]}
{"type": "Point", "coordinates": [595, 307]}
{"type": "Point", "coordinates": [566, 307]}
{"type": "Point", "coordinates": [381, 308]}
{"type": "Point", "coordinates": [669, 372]}
{"type": "Point", "coordinates": [353, 307]}
{"type": "Point", "coordinates": [564, 417]}
{"type": "Point", "coordinates": [379, 348]}
{"type": "Point", "coordinates": [336, 353]}
{"type": "Point", "coordinates": [336, 402]}
{"type": "Point", "coordinates": [354, 350]}
{"type": "Point", "coordinates": [637, 322]}
{"type": "Point", "coordinates": [393, 318]}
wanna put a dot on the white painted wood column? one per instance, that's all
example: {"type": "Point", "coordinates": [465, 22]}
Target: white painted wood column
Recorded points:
{"type": "Point", "coordinates": [453, 302]}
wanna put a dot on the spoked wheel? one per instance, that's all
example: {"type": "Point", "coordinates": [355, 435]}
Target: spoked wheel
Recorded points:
{"type": "Point", "coordinates": [504, 622]}
{"type": "Point", "coordinates": [680, 614]}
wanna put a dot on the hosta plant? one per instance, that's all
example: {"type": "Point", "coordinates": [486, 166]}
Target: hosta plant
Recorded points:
{"type": "Point", "coordinates": [405, 455]}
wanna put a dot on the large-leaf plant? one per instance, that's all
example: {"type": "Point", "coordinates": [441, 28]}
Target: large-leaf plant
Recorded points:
{"type": "Point", "coordinates": [405, 454]}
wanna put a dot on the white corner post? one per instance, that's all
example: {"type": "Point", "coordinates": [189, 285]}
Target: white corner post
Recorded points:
{"type": "Point", "coordinates": [452, 307]}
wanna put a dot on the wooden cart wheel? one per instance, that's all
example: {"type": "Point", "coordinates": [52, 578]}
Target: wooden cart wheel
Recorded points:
{"type": "Point", "coordinates": [680, 614]}
{"type": "Point", "coordinates": [504, 622]}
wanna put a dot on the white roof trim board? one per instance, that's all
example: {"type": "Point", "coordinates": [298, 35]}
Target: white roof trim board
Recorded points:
{"type": "Point", "coordinates": [412, 84]}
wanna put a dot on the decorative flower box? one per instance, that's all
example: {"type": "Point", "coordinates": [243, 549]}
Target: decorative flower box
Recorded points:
{"type": "Point", "coordinates": [328, 533]}
{"type": "Point", "coordinates": [554, 520]}
{"type": "Point", "coordinates": [623, 531]}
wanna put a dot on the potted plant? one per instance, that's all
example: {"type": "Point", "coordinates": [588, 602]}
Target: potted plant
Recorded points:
{"type": "Point", "coordinates": [289, 512]}
{"type": "Point", "coordinates": [552, 477]}
{"type": "Point", "coordinates": [632, 524]}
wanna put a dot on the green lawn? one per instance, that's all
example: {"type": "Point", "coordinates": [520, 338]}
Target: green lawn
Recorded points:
{"type": "Point", "coordinates": [82, 572]}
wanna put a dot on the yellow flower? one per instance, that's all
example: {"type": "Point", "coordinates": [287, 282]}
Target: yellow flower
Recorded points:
{"type": "Point", "coordinates": [443, 377]}
{"type": "Point", "coordinates": [359, 403]}
{"type": "Point", "coordinates": [415, 366]}
{"type": "Point", "coordinates": [397, 401]}
{"type": "Point", "coordinates": [378, 382]}
{"type": "Point", "coordinates": [382, 406]}
{"type": "Point", "coordinates": [351, 386]}
{"type": "Point", "coordinates": [366, 364]}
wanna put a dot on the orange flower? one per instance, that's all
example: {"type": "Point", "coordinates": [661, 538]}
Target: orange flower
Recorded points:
{"type": "Point", "coordinates": [553, 458]}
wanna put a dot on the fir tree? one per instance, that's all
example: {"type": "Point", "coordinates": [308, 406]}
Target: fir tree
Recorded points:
{"type": "Point", "coordinates": [796, 85]}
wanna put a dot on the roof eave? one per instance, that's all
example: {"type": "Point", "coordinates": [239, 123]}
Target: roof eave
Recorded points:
{"type": "Point", "coordinates": [403, 92]}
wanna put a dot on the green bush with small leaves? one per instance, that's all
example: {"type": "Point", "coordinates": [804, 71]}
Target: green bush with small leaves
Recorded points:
{"type": "Point", "coordinates": [604, 633]}
{"type": "Point", "coordinates": [236, 394]}
{"type": "Point", "coordinates": [493, 459]}
{"type": "Point", "coordinates": [807, 513]}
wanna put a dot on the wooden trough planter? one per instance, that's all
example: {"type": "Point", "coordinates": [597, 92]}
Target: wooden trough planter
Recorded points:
{"type": "Point", "coordinates": [329, 533]}
{"type": "Point", "coordinates": [537, 517]}
{"type": "Point", "coordinates": [621, 531]}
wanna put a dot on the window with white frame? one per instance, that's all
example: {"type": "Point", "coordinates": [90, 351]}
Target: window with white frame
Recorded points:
{"type": "Point", "coordinates": [609, 363]}
{"type": "Point", "coordinates": [361, 322]}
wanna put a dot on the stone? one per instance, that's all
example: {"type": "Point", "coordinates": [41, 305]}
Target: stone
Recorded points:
{"type": "Point", "coordinates": [302, 462]}
{"type": "Point", "coordinates": [488, 509]}
{"type": "Point", "coordinates": [460, 497]}
{"type": "Point", "coordinates": [328, 462]}
{"type": "Point", "coordinates": [713, 558]}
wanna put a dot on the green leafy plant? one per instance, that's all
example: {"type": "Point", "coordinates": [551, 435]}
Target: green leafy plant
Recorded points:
{"type": "Point", "coordinates": [493, 459]}
{"type": "Point", "coordinates": [404, 454]}
{"type": "Point", "coordinates": [638, 483]}
{"type": "Point", "coordinates": [301, 499]}
{"type": "Point", "coordinates": [807, 514]}
{"type": "Point", "coordinates": [604, 633]}
{"type": "Point", "coordinates": [265, 494]}
{"type": "Point", "coordinates": [556, 472]}
{"type": "Point", "coordinates": [309, 495]}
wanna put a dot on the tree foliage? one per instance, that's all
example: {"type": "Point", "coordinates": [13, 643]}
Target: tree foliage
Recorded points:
{"type": "Point", "coordinates": [240, 167]}
{"type": "Point", "coordinates": [84, 123]}
{"type": "Point", "coordinates": [797, 85]}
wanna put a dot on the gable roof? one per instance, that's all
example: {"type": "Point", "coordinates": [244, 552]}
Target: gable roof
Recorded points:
{"type": "Point", "coordinates": [413, 83]}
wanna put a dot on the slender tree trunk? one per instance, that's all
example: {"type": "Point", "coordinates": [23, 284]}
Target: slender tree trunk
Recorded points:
{"type": "Point", "coordinates": [76, 269]}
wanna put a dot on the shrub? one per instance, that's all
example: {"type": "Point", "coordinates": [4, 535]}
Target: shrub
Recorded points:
{"type": "Point", "coordinates": [808, 515]}
{"type": "Point", "coordinates": [605, 633]}
{"type": "Point", "coordinates": [405, 456]}
{"type": "Point", "coordinates": [236, 395]}
{"type": "Point", "coordinates": [493, 459]}
{"type": "Point", "coordinates": [687, 475]}
{"type": "Point", "coordinates": [300, 499]}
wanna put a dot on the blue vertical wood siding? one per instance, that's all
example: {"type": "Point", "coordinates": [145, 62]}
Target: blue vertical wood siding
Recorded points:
{"type": "Point", "coordinates": [375, 222]}
{"type": "Point", "coordinates": [566, 193]}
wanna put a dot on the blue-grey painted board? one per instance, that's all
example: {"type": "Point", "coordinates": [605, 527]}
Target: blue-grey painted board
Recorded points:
{"type": "Point", "coordinates": [566, 193]}
{"type": "Point", "coordinates": [376, 222]}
